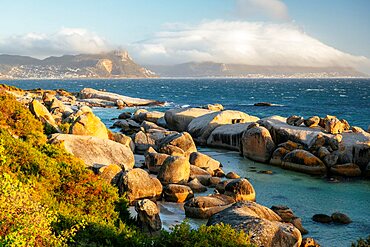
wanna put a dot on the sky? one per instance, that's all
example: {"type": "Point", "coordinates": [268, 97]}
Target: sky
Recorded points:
{"type": "Point", "coordinates": [258, 32]}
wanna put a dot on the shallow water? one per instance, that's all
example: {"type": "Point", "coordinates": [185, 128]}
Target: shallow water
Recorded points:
{"type": "Point", "coordinates": [306, 195]}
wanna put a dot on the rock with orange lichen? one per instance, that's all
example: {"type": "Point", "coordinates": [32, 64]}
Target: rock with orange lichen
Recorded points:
{"type": "Point", "coordinates": [303, 161]}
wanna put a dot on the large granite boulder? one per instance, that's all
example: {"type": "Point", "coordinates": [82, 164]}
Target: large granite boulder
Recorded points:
{"type": "Point", "coordinates": [148, 219]}
{"type": "Point", "coordinates": [257, 144]}
{"type": "Point", "coordinates": [183, 141]}
{"type": "Point", "coordinates": [203, 207]}
{"type": "Point", "coordinates": [89, 93]}
{"type": "Point", "coordinates": [347, 170]}
{"type": "Point", "coordinates": [227, 136]}
{"type": "Point", "coordinates": [333, 125]}
{"type": "Point", "coordinates": [110, 173]}
{"type": "Point", "coordinates": [260, 223]}
{"type": "Point", "coordinates": [203, 161]}
{"type": "Point", "coordinates": [177, 193]}
{"type": "Point", "coordinates": [143, 141]}
{"type": "Point", "coordinates": [123, 139]}
{"type": "Point", "coordinates": [89, 125]}
{"type": "Point", "coordinates": [303, 161]}
{"type": "Point", "coordinates": [138, 184]}
{"type": "Point", "coordinates": [174, 170]}
{"type": "Point", "coordinates": [241, 190]}
{"type": "Point", "coordinates": [278, 156]}
{"type": "Point", "coordinates": [282, 132]}
{"type": "Point", "coordinates": [152, 116]}
{"type": "Point", "coordinates": [154, 161]}
{"type": "Point", "coordinates": [96, 151]}
{"type": "Point", "coordinates": [288, 216]}
{"type": "Point", "coordinates": [355, 148]}
{"type": "Point", "coordinates": [201, 127]}
{"type": "Point", "coordinates": [179, 119]}
{"type": "Point", "coordinates": [42, 114]}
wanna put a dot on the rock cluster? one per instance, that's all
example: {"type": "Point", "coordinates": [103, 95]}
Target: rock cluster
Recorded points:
{"type": "Point", "coordinates": [175, 171]}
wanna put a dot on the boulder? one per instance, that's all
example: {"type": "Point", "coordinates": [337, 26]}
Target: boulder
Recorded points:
{"type": "Point", "coordinates": [203, 207]}
{"type": "Point", "coordinates": [355, 148]}
{"type": "Point", "coordinates": [278, 156]}
{"type": "Point", "coordinates": [203, 179]}
{"type": "Point", "coordinates": [290, 145]}
{"type": "Point", "coordinates": [303, 161]}
{"type": "Point", "coordinates": [312, 121]}
{"type": "Point", "coordinates": [201, 127]}
{"type": "Point", "coordinates": [241, 190]}
{"type": "Point", "coordinates": [89, 93]}
{"type": "Point", "coordinates": [96, 151]}
{"type": "Point", "coordinates": [88, 124]}
{"type": "Point", "coordinates": [295, 120]}
{"type": "Point", "coordinates": [177, 193]}
{"type": "Point", "coordinates": [261, 223]}
{"type": "Point", "coordinates": [110, 173]}
{"type": "Point", "coordinates": [197, 186]}
{"type": "Point", "coordinates": [148, 219]}
{"type": "Point", "coordinates": [232, 175]}
{"type": "Point", "coordinates": [281, 132]}
{"type": "Point", "coordinates": [138, 184]}
{"type": "Point", "coordinates": [228, 136]}
{"type": "Point", "coordinates": [213, 181]}
{"type": "Point", "coordinates": [340, 218]}
{"type": "Point", "coordinates": [179, 119]}
{"type": "Point", "coordinates": [203, 161]}
{"type": "Point", "coordinates": [139, 115]}
{"type": "Point", "coordinates": [174, 170]}
{"type": "Point", "coordinates": [322, 218]}
{"type": "Point", "coordinates": [150, 126]}
{"type": "Point", "coordinates": [42, 114]}
{"type": "Point", "coordinates": [183, 140]}
{"type": "Point", "coordinates": [288, 216]}
{"type": "Point", "coordinates": [257, 144]}
{"type": "Point", "coordinates": [195, 171]}
{"type": "Point", "coordinates": [333, 125]}
{"type": "Point", "coordinates": [124, 115]}
{"type": "Point", "coordinates": [347, 170]}
{"type": "Point", "coordinates": [172, 150]}
{"type": "Point", "coordinates": [356, 129]}
{"type": "Point", "coordinates": [214, 107]}
{"type": "Point", "coordinates": [123, 139]}
{"type": "Point", "coordinates": [154, 161]}
{"type": "Point", "coordinates": [152, 116]}
{"type": "Point", "coordinates": [142, 142]}
{"type": "Point", "coordinates": [309, 242]}
{"type": "Point", "coordinates": [220, 187]}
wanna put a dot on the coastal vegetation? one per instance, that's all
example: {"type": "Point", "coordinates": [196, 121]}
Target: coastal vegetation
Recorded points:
{"type": "Point", "coordinates": [49, 198]}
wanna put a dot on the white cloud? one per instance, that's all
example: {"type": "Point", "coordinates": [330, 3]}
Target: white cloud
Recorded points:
{"type": "Point", "coordinates": [65, 41]}
{"type": "Point", "coordinates": [241, 42]}
{"type": "Point", "coordinates": [274, 9]}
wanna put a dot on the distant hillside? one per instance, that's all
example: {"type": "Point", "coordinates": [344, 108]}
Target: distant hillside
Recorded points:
{"type": "Point", "coordinates": [115, 64]}
{"type": "Point", "coordinates": [210, 69]}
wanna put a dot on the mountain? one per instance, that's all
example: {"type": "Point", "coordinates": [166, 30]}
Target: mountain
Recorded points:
{"type": "Point", "coordinates": [211, 69]}
{"type": "Point", "coordinates": [115, 64]}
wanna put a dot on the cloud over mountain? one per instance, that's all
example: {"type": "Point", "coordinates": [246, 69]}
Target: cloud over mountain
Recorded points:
{"type": "Point", "coordinates": [274, 9]}
{"type": "Point", "coordinates": [65, 41]}
{"type": "Point", "coordinates": [254, 43]}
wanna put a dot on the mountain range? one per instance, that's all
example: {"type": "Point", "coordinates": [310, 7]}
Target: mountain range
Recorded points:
{"type": "Point", "coordinates": [115, 64]}
{"type": "Point", "coordinates": [119, 64]}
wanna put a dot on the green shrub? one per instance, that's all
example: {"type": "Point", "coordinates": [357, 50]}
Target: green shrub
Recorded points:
{"type": "Point", "coordinates": [24, 220]}
{"type": "Point", "coordinates": [218, 235]}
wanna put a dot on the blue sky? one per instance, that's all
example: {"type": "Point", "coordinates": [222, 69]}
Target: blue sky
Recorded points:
{"type": "Point", "coordinates": [340, 24]}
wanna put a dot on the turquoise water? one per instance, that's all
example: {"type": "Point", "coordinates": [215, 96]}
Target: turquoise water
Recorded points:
{"type": "Point", "coordinates": [347, 98]}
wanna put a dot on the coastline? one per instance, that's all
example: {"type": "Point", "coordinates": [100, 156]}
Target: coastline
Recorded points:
{"type": "Point", "coordinates": [135, 141]}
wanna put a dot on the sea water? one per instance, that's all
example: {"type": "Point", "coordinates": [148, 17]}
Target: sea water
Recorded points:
{"type": "Point", "coordinates": [305, 195]}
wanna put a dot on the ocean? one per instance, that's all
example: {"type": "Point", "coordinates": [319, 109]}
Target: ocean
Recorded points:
{"type": "Point", "coordinates": [306, 195]}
